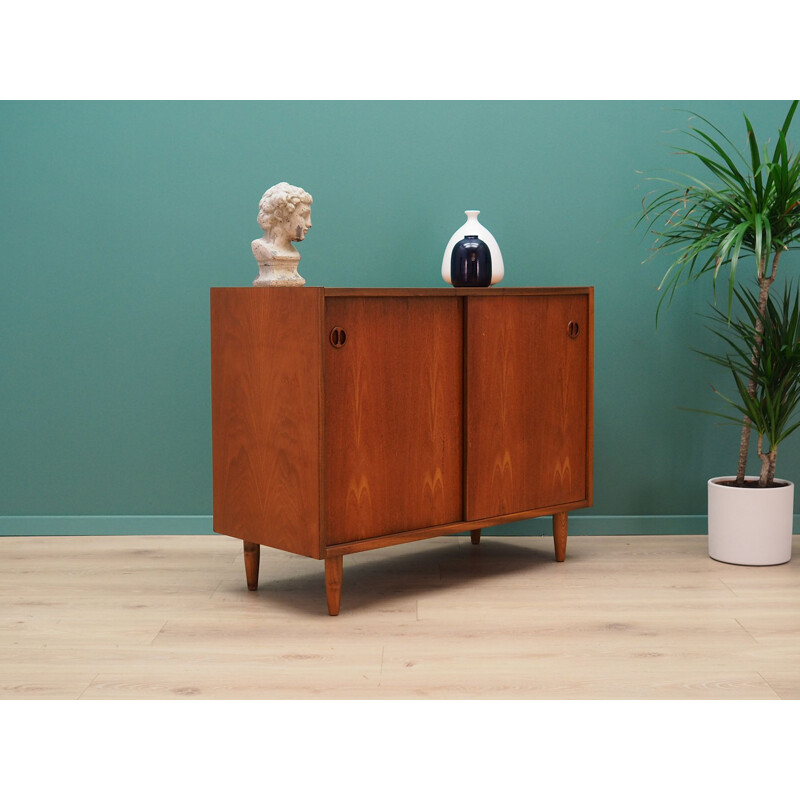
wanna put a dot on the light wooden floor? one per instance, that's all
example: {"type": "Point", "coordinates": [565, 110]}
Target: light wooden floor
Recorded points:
{"type": "Point", "coordinates": [151, 617]}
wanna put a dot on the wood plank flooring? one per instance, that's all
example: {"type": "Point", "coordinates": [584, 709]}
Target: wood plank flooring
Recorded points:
{"type": "Point", "coordinates": [169, 617]}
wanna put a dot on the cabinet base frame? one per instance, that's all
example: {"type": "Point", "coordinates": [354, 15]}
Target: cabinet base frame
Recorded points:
{"type": "Point", "coordinates": [334, 563]}
{"type": "Point", "coordinates": [252, 559]}
{"type": "Point", "coordinates": [560, 535]}
{"type": "Point", "coordinates": [333, 583]}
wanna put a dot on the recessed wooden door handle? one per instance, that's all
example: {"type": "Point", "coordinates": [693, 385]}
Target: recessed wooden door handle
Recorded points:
{"type": "Point", "coordinates": [338, 337]}
{"type": "Point", "coordinates": [573, 329]}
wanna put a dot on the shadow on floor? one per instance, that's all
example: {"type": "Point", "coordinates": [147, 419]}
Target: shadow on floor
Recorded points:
{"type": "Point", "coordinates": [389, 576]}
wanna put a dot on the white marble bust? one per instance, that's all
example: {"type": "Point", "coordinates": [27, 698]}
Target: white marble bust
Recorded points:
{"type": "Point", "coordinates": [284, 214]}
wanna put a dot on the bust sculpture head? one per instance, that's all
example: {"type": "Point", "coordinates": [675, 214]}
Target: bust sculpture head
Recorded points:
{"type": "Point", "coordinates": [284, 214]}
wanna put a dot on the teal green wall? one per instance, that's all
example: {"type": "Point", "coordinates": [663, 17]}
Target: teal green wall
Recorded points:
{"type": "Point", "coordinates": [117, 217]}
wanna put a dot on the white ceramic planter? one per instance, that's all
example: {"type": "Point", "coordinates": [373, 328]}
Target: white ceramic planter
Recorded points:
{"type": "Point", "coordinates": [752, 527]}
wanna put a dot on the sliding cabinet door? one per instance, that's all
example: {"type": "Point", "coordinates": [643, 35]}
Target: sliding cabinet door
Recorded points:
{"type": "Point", "coordinates": [528, 402]}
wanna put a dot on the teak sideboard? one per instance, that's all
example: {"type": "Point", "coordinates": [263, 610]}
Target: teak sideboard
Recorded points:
{"type": "Point", "coordinates": [349, 419]}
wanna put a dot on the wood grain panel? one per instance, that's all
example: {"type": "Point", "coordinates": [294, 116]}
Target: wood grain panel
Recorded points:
{"type": "Point", "coordinates": [393, 415]}
{"type": "Point", "coordinates": [528, 402]}
{"type": "Point", "coordinates": [265, 376]}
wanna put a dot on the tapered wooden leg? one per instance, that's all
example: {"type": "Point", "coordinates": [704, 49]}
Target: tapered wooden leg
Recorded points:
{"type": "Point", "coordinates": [560, 535]}
{"type": "Point", "coordinates": [475, 536]}
{"type": "Point", "coordinates": [333, 583]}
{"type": "Point", "coordinates": [252, 558]}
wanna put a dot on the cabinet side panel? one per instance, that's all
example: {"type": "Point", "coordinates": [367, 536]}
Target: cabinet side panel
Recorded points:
{"type": "Point", "coordinates": [590, 401]}
{"type": "Point", "coordinates": [265, 397]}
{"type": "Point", "coordinates": [527, 403]}
{"type": "Point", "coordinates": [393, 415]}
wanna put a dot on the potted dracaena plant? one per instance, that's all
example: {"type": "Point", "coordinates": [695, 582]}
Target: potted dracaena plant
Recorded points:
{"type": "Point", "coordinates": [747, 526]}
{"type": "Point", "coordinates": [748, 206]}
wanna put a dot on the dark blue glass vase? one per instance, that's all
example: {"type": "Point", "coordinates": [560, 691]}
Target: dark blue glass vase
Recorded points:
{"type": "Point", "coordinates": [471, 263]}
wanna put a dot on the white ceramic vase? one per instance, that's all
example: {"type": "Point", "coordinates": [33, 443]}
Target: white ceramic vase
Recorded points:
{"type": "Point", "coordinates": [752, 527]}
{"type": "Point", "coordinates": [474, 228]}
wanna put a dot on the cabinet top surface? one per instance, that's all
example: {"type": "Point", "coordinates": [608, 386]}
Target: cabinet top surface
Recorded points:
{"type": "Point", "coordinates": [331, 291]}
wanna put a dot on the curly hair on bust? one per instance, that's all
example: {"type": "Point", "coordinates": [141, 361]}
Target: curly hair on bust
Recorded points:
{"type": "Point", "coordinates": [279, 202]}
